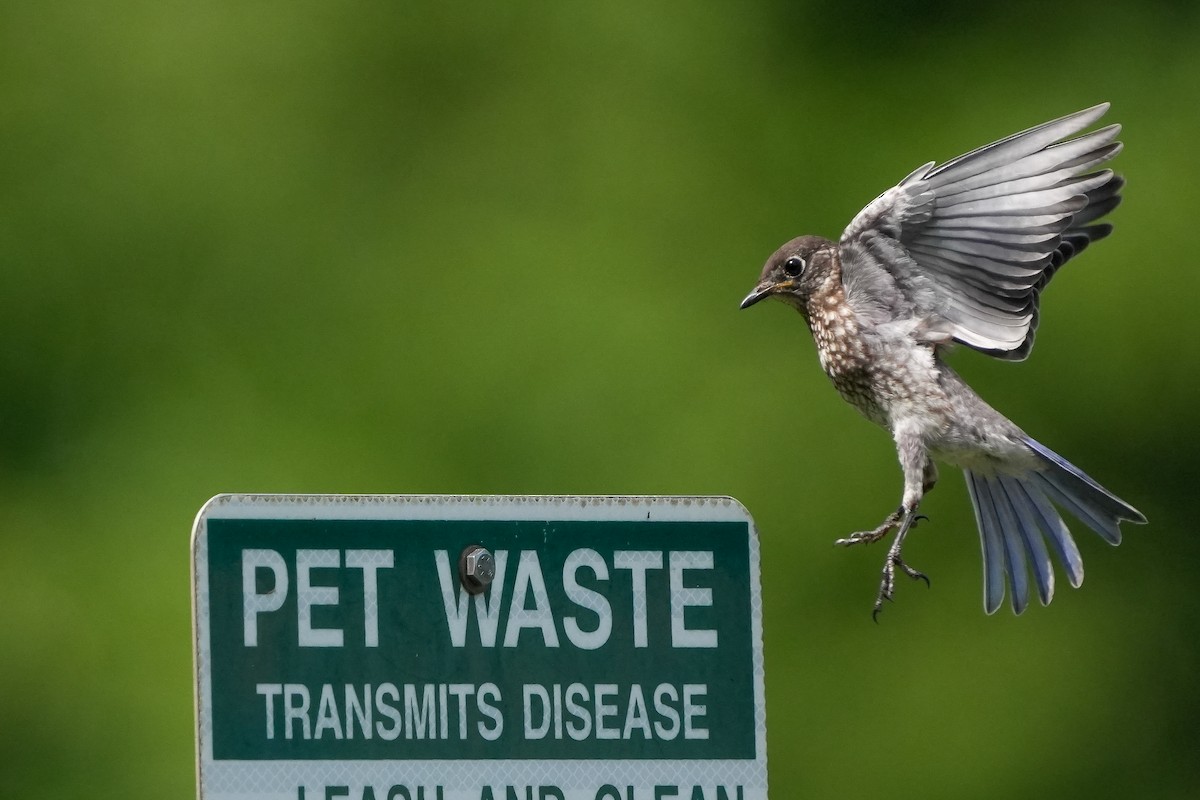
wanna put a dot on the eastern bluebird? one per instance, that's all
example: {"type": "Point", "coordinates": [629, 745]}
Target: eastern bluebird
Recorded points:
{"type": "Point", "coordinates": [961, 252]}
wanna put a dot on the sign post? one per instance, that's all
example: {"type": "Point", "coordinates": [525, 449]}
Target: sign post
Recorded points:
{"type": "Point", "coordinates": [395, 647]}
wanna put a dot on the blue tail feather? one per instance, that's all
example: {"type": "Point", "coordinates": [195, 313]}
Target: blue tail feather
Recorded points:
{"type": "Point", "coordinates": [1014, 545]}
{"type": "Point", "coordinates": [1055, 530]}
{"type": "Point", "coordinates": [1074, 482]}
{"type": "Point", "coordinates": [990, 539]}
{"type": "Point", "coordinates": [1079, 507]}
{"type": "Point", "coordinates": [1035, 547]}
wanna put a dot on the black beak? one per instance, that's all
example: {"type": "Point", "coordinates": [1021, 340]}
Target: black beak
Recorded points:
{"type": "Point", "coordinates": [761, 292]}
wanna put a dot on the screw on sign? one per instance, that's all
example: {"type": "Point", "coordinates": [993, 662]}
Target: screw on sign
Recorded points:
{"type": "Point", "coordinates": [477, 568]}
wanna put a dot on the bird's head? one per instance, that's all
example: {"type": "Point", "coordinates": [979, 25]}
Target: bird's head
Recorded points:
{"type": "Point", "coordinates": [795, 271]}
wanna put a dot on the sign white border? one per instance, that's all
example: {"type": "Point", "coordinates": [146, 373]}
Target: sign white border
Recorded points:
{"type": "Point", "coordinates": [239, 780]}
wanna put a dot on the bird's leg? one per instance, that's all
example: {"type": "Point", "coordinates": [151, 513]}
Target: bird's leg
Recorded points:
{"type": "Point", "coordinates": [920, 476]}
{"type": "Point", "coordinates": [929, 477]}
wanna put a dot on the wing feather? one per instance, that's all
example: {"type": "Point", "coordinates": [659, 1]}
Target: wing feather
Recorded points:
{"type": "Point", "coordinates": [978, 264]}
{"type": "Point", "coordinates": [987, 225]}
{"type": "Point", "coordinates": [984, 281]}
{"type": "Point", "coordinates": [1013, 147]}
{"type": "Point", "coordinates": [1067, 157]}
{"type": "Point", "coordinates": [1016, 254]}
{"type": "Point", "coordinates": [1033, 238]}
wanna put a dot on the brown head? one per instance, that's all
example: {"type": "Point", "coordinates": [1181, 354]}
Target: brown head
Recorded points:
{"type": "Point", "coordinates": [796, 271]}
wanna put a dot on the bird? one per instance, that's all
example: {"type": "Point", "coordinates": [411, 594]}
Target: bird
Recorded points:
{"type": "Point", "coordinates": [960, 254]}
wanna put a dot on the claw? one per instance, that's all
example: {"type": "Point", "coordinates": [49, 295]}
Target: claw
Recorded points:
{"type": "Point", "coordinates": [879, 604]}
{"type": "Point", "coordinates": [910, 572]}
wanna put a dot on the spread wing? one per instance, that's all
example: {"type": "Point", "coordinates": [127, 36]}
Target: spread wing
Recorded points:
{"type": "Point", "coordinates": [969, 245]}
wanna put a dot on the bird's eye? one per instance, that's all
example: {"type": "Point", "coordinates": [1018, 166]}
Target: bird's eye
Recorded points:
{"type": "Point", "coordinates": [793, 266]}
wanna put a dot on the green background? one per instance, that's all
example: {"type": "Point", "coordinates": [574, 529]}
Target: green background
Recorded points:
{"type": "Point", "coordinates": [415, 645]}
{"type": "Point", "coordinates": [499, 247]}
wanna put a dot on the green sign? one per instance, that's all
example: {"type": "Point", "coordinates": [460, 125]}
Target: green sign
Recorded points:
{"type": "Point", "coordinates": [615, 652]}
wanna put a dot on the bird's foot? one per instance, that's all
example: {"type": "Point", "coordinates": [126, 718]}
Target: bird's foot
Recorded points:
{"type": "Point", "coordinates": [866, 537]}
{"type": "Point", "coordinates": [887, 584]}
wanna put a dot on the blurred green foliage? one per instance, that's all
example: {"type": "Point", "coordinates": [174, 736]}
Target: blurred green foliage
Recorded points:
{"type": "Point", "coordinates": [427, 247]}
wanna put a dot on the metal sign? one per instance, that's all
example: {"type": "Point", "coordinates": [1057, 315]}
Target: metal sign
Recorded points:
{"type": "Point", "coordinates": [478, 648]}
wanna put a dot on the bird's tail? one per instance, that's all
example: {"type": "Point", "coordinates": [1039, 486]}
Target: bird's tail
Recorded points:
{"type": "Point", "coordinates": [1017, 520]}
